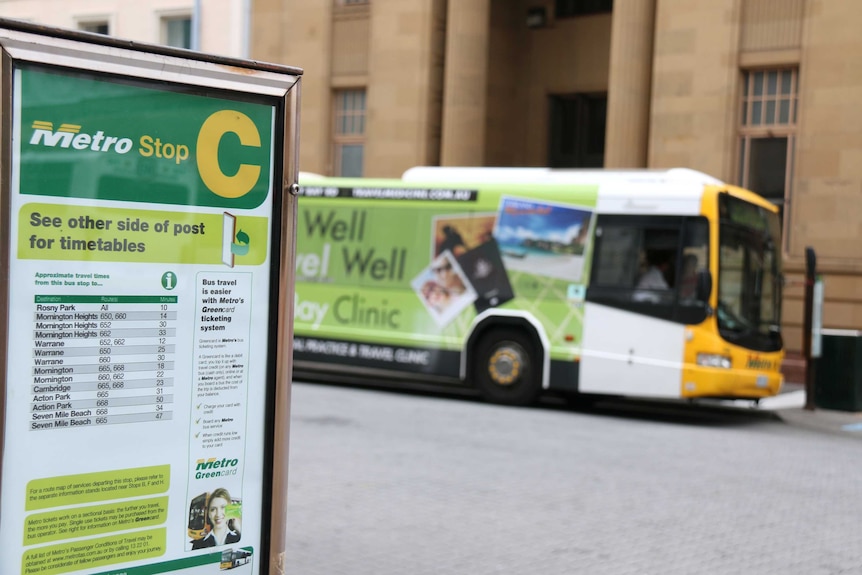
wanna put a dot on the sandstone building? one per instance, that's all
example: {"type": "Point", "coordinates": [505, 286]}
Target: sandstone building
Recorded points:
{"type": "Point", "coordinates": [762, 93]}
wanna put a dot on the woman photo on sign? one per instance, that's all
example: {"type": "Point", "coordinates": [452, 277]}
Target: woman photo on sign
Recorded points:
{"type": "Point", "coordinates": [222, 521]}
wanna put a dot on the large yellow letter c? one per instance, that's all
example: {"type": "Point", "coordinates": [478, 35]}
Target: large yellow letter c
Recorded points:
{"type": "Point", "coordinates": [209, 138]}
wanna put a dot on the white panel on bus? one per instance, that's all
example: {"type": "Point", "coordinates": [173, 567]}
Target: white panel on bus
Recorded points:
{"type": "Point", "coordinates": [675, 192]}
{"type": "Point", "coordinates": [556, 175]}
{"type": "Point", "coordinates": [665, 199]}
{"type": "Point", "coordinates": [631, 354]}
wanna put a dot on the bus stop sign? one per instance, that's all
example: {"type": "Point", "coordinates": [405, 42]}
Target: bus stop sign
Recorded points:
{"type": "Point", "coordinates": [147, 303]}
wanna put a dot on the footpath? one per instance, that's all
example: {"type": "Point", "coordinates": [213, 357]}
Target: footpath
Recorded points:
{"type": "Point", "coordinates": [789, 406]}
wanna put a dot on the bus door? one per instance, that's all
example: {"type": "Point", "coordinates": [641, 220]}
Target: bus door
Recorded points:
{"type": "Point", "coordinates": [641, 296]}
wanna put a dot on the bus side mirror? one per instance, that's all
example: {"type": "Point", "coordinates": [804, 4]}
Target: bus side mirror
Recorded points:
{"type": "Point", "coordinates": [704, 285]}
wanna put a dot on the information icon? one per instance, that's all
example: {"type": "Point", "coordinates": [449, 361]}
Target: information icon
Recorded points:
{"type": "Point", "coordinates": [169, 280]}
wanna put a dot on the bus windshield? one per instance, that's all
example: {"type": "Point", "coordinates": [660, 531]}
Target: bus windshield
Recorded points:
{"type": "Point", "coordinates": [749, 271]}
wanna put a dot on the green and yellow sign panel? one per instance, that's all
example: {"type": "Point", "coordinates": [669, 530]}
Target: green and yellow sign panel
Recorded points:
{"type": "Point", "coordinates": [143, 145]}
{"type": "Point", "coordinates": [143, 241]}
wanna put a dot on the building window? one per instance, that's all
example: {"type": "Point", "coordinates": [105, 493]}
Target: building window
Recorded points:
{"type": "Point", "coordinates": [94, 26]}
{"type": "Point", "coordinates": [177, 31]}
{"type": "Point", "coordinates": [577, 131]}
{"type": "Point", "coordinates": [349, 133]}
{"type": "Point", "coordinates": [571, 8]}
{"type": "Point", "coordinates": [351, 2]}
{"type": "Point", "coordinates": [768, 134]}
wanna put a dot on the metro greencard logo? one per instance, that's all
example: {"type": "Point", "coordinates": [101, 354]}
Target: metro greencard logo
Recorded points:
{"type": "Point", "coordinates": [213, 467]}
{"type": "Point", "coordinates": [118, 141]}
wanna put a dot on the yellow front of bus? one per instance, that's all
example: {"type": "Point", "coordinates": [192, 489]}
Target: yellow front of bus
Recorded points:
{"type": "Point", "coordinates": [737, 351]}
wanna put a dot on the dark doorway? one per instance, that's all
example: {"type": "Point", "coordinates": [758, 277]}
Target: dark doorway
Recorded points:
{"type": "Point", "coordinates": [577, 131]}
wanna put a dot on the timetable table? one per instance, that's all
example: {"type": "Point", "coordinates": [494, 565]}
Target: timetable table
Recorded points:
{"type": "Point", "coordinates": [100, 360]}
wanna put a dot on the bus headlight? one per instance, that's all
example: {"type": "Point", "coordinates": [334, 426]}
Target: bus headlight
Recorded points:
{"type": "Point", "coordinates": [713, 360]}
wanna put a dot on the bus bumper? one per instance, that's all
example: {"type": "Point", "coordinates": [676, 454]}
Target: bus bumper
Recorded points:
{"type": "Point", "coordinates": [699, 381]}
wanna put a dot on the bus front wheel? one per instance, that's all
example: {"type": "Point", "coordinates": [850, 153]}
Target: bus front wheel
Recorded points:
{"type": "Point", "coordinates": [505, 368]}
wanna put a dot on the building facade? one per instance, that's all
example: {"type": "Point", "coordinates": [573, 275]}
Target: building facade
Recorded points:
{"type": "Point", "coordinates": [762, 93]}
{"type": "Point", "coordinates": [215, 26]}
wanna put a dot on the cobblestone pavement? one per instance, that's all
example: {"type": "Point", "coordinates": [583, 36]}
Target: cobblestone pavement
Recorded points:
{"type": "Point", "coordinates": [396, 483]}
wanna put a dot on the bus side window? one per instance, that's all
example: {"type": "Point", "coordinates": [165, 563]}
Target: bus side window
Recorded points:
{"type": "Point", "coordinates": [660, 248]}
{"type": "Point", "coordinates": [694, 263]}
{"type": "Point", "coordinates": [656, 282]}
{"type": "Point", "coordinates": [618, 262]}
{"type": "Point", "coordinates": [695, 257]}
{"type": "Point", "coordinates": [635, 263]}
{"type": "Point", "coordinates": [649, 265]}
{"type": "Point", "coordinates": [688, 277]}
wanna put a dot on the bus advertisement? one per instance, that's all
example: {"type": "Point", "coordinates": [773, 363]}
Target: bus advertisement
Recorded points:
{"type": "Point", "coordinates": [653, 284]}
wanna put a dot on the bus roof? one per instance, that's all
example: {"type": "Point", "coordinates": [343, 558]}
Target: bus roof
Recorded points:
{"type": "Point", "coordinates": [431, 174]}
{"type": "Point", "coordinates": [675, 191]}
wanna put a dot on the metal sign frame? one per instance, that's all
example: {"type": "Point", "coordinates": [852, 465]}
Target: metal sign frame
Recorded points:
{"type": "Point", "coordinates": [189, 78]}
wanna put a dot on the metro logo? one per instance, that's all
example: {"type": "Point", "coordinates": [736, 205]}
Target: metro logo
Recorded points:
{"type": "Point", "coordinates": [69, 136]}
{"type": "Point", "coordinates": [213, 463]}
{"type": "Point", "coordinates": [757, 362]}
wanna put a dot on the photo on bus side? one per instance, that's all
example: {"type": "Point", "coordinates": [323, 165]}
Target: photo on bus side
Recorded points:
{"type": "Point", "coordinates": [444, 289]}
{"type": "Point", "coordinates": [542, 238]}
{"type": "Point", "coordinates": [470, 238]}
{"type": "Point", "coordinates": [459, 233]}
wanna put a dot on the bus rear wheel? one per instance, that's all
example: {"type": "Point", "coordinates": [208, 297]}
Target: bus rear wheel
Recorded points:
{"type": "Point", "coordinates": [505, 370]}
